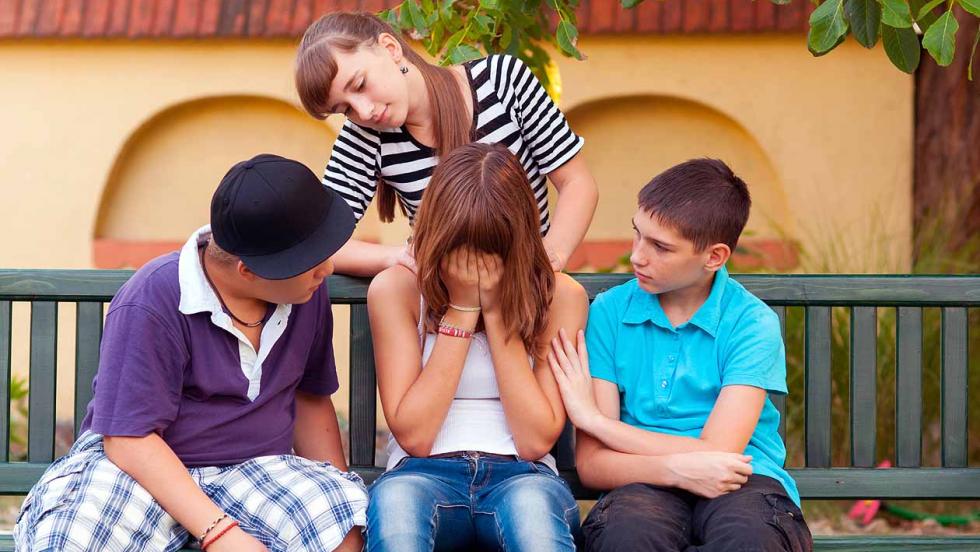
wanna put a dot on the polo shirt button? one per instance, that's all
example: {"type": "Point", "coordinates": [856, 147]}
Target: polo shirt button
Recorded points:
{"type": "Point", "coordinates": [663, 384]}
{"type": "Point", "coordinates": [672, 358]}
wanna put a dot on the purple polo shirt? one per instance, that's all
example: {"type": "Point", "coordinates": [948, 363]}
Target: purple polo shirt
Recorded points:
{"type": "Point", "coordinates": [194, 379]}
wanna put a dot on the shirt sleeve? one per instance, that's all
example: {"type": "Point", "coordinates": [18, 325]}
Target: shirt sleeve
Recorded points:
{"type": "Point", "coordinates": [352, 170]}
{"type": "Point", "coordinates": [543, 126]}
{"type": "Point", "coordinates": [755, 355]}
{"type": "Point", "coordinates": [600, 339]}
{"type": "Point", "coordinates": [141, 369]}
{"type": "Point", "coordinates": [320, 376]}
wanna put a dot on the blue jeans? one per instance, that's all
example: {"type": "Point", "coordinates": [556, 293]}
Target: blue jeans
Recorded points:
{"type": "Point", "coordinates": [469, 502]}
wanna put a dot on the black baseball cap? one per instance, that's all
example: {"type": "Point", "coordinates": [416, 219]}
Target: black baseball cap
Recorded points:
{"type": "Point", "coordinates": [277, 217]}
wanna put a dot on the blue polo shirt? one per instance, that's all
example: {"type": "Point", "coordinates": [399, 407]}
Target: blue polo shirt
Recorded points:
{"type": "Point", "coordinates": [669, 378]}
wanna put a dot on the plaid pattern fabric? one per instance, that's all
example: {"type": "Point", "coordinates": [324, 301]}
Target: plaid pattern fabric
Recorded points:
{"type": "Point", "coordinates": [84, 502]}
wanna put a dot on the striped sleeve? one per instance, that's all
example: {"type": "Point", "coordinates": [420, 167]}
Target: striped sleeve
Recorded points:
{"type": "Point", "coordinates": [352, 170]}
{"type": "Point", "coordinates": [543, 126]}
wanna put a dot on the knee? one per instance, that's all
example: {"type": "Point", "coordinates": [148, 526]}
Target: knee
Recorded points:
{"type": "Point", "coordinates": [402, 493]}
{"type": "Point", "coordinates": [635, 517]}
{"type": "Point", "coordinates": [530, 496]}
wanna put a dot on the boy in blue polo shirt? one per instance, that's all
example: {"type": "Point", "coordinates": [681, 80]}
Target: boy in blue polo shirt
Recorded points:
{"type": "Point", "coordinates": [675, 420]}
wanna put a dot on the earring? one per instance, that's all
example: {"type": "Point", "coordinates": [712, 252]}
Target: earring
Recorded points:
{"type": "Point", "coordinates": [404, 70]}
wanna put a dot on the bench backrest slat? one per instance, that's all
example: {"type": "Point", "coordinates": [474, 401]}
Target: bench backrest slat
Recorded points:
{"type": "Point", "coordinates": [5, 333]}
{"type": "Point", "coordinates": [363, 406]}
{"type": "Point", "coordinates": [779, 401]}
{"type": "Point", "coordinates": [908, 388]}
{"type": "Point", "coordinates": [818, 387]}
{"type": "Point", "coordinates": [41, 399]}
{"type": "Point", "coordinates": [88, 335]}
{"type": "Point", "coordinates": [955, 360]}
{"type": "Point", "coordinates": [864, 386]}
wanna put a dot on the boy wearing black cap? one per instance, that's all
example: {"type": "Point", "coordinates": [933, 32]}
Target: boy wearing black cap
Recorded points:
{"type": "Point", "coordinates": [211, 417]}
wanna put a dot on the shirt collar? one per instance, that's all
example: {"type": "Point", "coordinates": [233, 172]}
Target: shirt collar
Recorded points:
{"type": "Point", "coordinates": [196, 294]}
{"type": "Point", "coordinates": [645, 307]}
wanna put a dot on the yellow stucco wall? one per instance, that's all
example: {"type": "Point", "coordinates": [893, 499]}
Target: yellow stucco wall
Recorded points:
{"type": "Point", "coordinates": [127, 140]}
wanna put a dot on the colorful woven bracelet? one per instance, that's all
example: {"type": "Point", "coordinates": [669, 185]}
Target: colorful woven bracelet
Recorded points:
{"type": "Point", "coordinates": [200, 540]}
{"type": "Point", "coordinates": [219, 534]}
{"type": "Point", "coordinates": [453, 331]}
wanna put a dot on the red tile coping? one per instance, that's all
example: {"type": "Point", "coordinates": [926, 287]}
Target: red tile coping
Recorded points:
{"type": "Point", "coordinates": [774, 254]}
{"type": "Point", "coordinates": [145, 19]}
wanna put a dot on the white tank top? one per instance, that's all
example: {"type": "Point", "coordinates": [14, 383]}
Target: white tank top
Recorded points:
{"type": "Point", "coordinates": [476, 419]}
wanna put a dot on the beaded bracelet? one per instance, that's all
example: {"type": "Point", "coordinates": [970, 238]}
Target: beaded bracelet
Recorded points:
{"type": "Point", "coordinates": [219, 534]}
{"type": "Point", "coordinates": [453, 331]}
{"type": "Point", "coordinates": [200, 540]}
{"type": "Point", "coordinates": [464, 309]}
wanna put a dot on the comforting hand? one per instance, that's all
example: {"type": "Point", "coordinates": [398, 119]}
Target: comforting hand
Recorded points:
{"type": "Point", "coordinates": [490, 268]}
{"type": "Point", "coordinates": [461, 275]}
{"type": "Point", "coordinates": [405, 257]}
{"type": "Point", "coordinates": [556, 259]}
{"type": "Point", "coordinates": [571, 368]}
{"type": "Point", "coordinates": [710, 474]}
{"type": "Point", "coordinates": [236, 540]}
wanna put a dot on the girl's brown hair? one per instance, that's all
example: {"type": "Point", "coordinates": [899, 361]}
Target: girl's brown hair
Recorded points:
{"type": "Point", "coordinates": [316, 68]}
{"type": "Point", "coordinates": [479, 196]}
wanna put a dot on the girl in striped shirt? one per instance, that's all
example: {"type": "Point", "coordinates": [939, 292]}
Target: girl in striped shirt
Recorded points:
{"type": "Point", "coordinates": [404, 114]}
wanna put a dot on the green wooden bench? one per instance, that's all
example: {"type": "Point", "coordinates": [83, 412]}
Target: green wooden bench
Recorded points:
{"type": "Point", "coordinates": [90, 290]}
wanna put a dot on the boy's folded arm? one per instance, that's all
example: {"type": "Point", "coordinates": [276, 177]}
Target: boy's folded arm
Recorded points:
{"type": "Point", "coordinates": [728, 429]}
{"type": "Point", "coordinates": [155, 467]}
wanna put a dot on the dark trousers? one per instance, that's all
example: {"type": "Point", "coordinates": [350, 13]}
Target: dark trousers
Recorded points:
{"type": "Point", "coordinates": [757, 517]}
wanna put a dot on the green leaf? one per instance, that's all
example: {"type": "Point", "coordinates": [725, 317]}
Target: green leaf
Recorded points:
{"type": "Point", "coordinates": [865, 19]}
{"type": "Point", "coordinates": [895, 13]}
{"type": "Point", "coordinates": [827, 26]}
{"type": "Point", "coordinates": [831, 49]}
{"type": "Point", "coordinates": [404, 16]}
{"type": "Point", "coordinates": [446, 11]}
{"type": "Point", "coordinates": [389, 17]}
{"type": "Point", "coordinates": [483, 24]}
{"type": "Point", "coordinates": [972, 6]}
{"type": "Point", "coordinates": [567, 36]}
{"type": "Point", "coordinates": [490, 4]}
{"type": "Point", "coordinates": [631, 3]}
{"type": "Point", "coordinates": [927, 9]}
{"type": "Point", "coordinates": [506, 37]}
{"type": "Point", "coordinates": [940, 39]}
{"type": "Point", "coordinates": [923, 21]}
{"type": "Point", "coordinates": [902, 47]}
{"type": "Point", "coordinates": [416, 17]}
{"type": "Point", "coordinates": [463, 53]}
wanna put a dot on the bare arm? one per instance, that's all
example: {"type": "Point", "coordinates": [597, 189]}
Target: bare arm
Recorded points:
{"type": "Point", "coordinates": [577, 199]}
{"type": "Point", "coordinates": [415, 401]}
{"type": "Point", "coordinates": [361, 258]}
{"type": "Point", "coordinates": [316, 435]}
{"type": "Point", "coordinates": [531, 400]}
{"type": "Point", "coordinates": [707, 474]}
{"type": "Point", "coordinates": [155, 467]}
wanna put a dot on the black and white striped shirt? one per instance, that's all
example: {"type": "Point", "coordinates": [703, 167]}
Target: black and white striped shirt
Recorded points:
{"type": "Point", "coordinates": [510, 107]}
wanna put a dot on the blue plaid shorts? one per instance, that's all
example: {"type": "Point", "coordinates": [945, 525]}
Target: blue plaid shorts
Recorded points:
{"type": "Point", "coordinates": [83, 502]}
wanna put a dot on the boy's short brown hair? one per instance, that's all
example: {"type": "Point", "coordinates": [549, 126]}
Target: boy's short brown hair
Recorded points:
{"type": "Point", "coordinates": [702, 199]}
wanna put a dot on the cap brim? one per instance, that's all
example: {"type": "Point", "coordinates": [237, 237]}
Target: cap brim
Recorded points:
{"type": "Point", "coordinates": [336, 228]}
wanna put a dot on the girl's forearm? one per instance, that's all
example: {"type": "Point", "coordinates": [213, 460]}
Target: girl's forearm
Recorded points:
{"type": "Point", "coordinates": [577, 200]}
{"type": "Point", "coordinates": [533, 422]}
{"type": "Point", "coordinates": [361, 258]}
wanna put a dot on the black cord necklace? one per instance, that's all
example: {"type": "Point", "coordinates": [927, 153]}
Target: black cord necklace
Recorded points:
{"type": "Point", "coordinates": [222, 301]}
